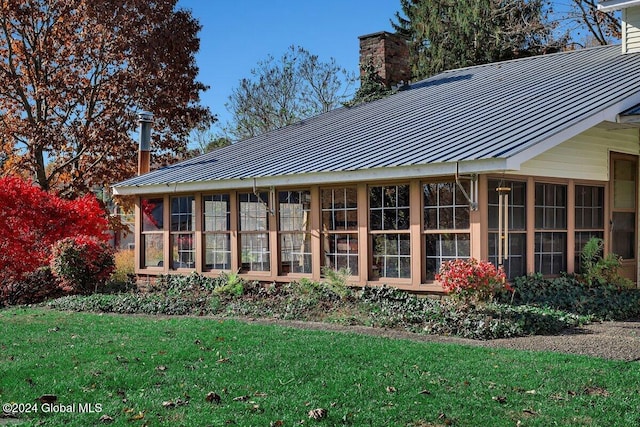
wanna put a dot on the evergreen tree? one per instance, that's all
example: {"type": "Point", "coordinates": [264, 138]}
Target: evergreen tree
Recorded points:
{"type": "Point", "coordinates": [448, 34]}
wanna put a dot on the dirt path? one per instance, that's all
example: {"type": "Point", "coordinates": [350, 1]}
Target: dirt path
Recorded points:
{"type": "Point", "coordinates": [608, 340]}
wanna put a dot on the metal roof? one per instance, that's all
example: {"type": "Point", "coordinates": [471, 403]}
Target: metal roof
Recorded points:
{"type": "Point", "coordinates": [471, 115]}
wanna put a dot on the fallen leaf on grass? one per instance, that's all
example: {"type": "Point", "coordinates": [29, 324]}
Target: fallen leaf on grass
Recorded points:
{"type": "Point", "coordinates": [278, 423]}
{"type": "Point", "coordinates": [47, 398]}
{"type": "Point", "coordinates": [500, 399]}
{"type": "Point", "coordinates": [223, 360]}
{"type": "Point", "coordinates": [530, 412]}
{"type": "Point", "coordinates": [425, 392]}
{"type": "Point", "coordinates": [106, 419]}
{"type": "Point", "coordinates": [161, 368]}
{"type": "Point", "coordinates": [241, 398]}
{"type": "Point", "coordinates": [596, 391]}
{"type": "Point", "coordinates": [138, 416]}
{"type": "Point", "coordinates": [174, 403]}
{"type": "Point", "coordinates": [213, 397]}
{"type": "Point", "coordinates": [391, 389]}
{"type": "Point", "coordinates": [318, 414]}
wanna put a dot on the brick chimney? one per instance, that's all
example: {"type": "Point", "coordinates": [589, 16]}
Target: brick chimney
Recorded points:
{"type": "Point", "coordinates": [144, 148]}
{"type": "Point", "coordinates": [389, 53]}
{"type": "Point", "coordinates": [630, 22]}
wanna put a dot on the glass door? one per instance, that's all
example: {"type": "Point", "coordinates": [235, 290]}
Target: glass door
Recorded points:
{"type": "Point", "coordinates": [623, 229]}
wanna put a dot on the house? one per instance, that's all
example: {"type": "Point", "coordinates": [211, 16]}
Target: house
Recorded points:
{"type": "Point", "coordinates": [518, 162]}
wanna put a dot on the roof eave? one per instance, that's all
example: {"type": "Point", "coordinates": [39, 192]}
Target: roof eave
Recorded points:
{"type": "Point", "coordinates": [608, 6]}
{"type": "Point", "coordinates": [321, 178]}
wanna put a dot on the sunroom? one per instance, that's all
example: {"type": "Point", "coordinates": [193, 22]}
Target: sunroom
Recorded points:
{"type": "Point", "coordinates": [519, 163]}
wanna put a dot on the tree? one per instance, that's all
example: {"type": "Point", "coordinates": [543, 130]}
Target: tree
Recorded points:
{"type": "Point", "coordinates": [448, 34]}
{"type": "Point", "coordinates": [33, 220]}
{"type": "Point", "coordinates": [285, 90]}
{"type": "Point", "coordinates": [601, 28]}
{"type": "Point", "coordinates": [73, 75]}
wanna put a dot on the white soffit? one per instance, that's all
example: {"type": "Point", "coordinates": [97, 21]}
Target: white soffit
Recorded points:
{"type": "Point", "coordinates": [608, 6]}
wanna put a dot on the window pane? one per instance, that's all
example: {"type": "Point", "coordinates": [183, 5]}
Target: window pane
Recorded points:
{"type": "Point", "coordinates": [589, 209]}
{"type": "Point", "coordinates": [443, 247]}
{"type": "Point", "coordinates": [182, 250]}
{"type": "Point", "coordinates": [152, 214]}
{"type": "Point", "coordinates": [339, 209]}
{"type": "Point", "coordinates": [255, 252]}
{"type": "Point", "coordinates": [517, 208]}
{"type": "Point", "coordinates": [392, 211]}
{"type": "Point", "coordinates": [153, 250]}
{"type": "Point", "coordinates": [624, 186]}
{"type": "Point", "coordinates": [182, 213]}
{"type": "Point", "coordinates": [516, 263]}
{"type": "Point", "coordinates": [295, 253]}
{"type": "Point", "coordinates": [445, 206]}
{"type": "Point", "coordinates": [341, 251]}
{"type": "Point", "coordinates": [253, 212]}
{"type": "Point", "coordinates": [294, 210]}
{"type": "Point", "coordinates": [216, 213]}
{"type": "Point", "coordinates": [581, 239]}
{"type": "Point", "coordinates": [391, 255]}
{"type": "Point", "coordinates": [623, 232]}
{"type": "Point", "coordinates": [550, 253]}
{"type": "Point", "coordinates": [217, 251]}
{"type": "Point", "coordinates": [550, 208]}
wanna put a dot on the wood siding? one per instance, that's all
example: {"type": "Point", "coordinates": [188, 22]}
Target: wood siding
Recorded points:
{"type": "Point", "coordinates": [631, 30]}
{"type": "Point", "coordinates": [585, 156]}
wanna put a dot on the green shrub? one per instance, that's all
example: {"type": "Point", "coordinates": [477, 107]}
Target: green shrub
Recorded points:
{"type": "Point", "coordinates": [34, 287]}
{"type": "Point", "coordinates": [336, 280]}
{"type": "Point", "coordinates": [599, 270]}
{"type": "Point", "coordinates": [569, 293]}
{"type": "Point", "coordinates": [390, 307]}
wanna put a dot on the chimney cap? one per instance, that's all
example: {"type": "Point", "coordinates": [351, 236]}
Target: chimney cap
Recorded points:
{"type": "Point", "coordinates": [145, 117]}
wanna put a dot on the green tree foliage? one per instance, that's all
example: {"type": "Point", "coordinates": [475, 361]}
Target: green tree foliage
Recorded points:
{"type": "Point", "coordinates": [371, 86]}
{"type": "Point", "coordinates": [449, 34]}
{"type": "Point", "coordinates": [285, 90]}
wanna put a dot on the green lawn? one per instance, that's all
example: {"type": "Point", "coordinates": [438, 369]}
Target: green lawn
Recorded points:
{"type": "Point", "coordinates": [271, 375]}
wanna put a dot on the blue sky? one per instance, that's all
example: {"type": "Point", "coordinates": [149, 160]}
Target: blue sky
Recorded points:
{"type": "Point", "coordinates": [236, 35]}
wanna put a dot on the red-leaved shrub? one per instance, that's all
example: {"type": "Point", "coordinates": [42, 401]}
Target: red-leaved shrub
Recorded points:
{"type": "Point", "coordinates": [32, 220]}
{"type": "Point", "coordinates": [472, 279]}
{"type": "Point", "coordinates": [81, 264]}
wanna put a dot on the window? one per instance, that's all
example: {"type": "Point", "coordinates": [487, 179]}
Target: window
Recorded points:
{"type": "Point", "coordinates": [294, 230]}
{"type": "Point", "coordinates": [182, 232]}
{"type": "Point", "coordinates": [516, 263]}
{"type": "Point", "coordinates": [340, 228]}
{"type": "Point", "coordinates": [217, 238]}
{"type": "Point", "coordinates": [254, 231]}
{"type": "Point", "coordinates": [446, 224]}
{"type": "Point", "coordinates": [550, 251]}
{"type": "Point", "coordinates": [589, 217]}
{"type": "Point", "coordinates": [152, 232]}
{"type": "Point", "coordinates": [389, 230]}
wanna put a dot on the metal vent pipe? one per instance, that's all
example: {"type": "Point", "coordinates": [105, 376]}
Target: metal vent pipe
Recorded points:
{"type": "Point", "coordinates": [145, 119]}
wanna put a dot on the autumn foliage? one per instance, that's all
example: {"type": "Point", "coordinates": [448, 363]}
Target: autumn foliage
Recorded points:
{"type": "Point", "coordinates": [75, 73]}
{"type": "Point", "coordinates": [81, 263]}
{"type": "Point", "coordinates": [32, 221]}
{"type": "Point", "coordinates": [470, 279]}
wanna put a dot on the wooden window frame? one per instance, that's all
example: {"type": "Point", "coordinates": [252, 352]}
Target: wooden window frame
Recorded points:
{"type": "Point", "coordinates": [227, 232]}
{"type": "Point", "coordinates": [351, 233]}
{"type": "Point", "coordinates": [426, 232]}
{"type": "Point", "coordinates": [307, 232]}
{"type": "Point", "coordinates": [372, 233]}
